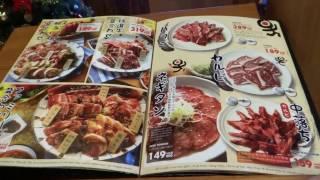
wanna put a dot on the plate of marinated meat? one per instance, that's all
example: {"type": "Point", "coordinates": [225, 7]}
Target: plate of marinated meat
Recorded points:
{"type": "Point", "coordinates": [49, 61]}
{"type": "Point", "coordinates": [124, 53]}
{"type": "Point", "coordinates": [96, 121]}
{"type": "Point", "coordinates": [261, 128]}
{"type": "Point", "coordinates": [199, 35]}
{"type": "Point", "coordinates": [196, 107]}
{"type": "Point", "coordinates": [255, 72]}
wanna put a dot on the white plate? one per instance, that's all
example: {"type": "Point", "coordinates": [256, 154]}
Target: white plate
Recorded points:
{"type": "Point", "coordinates": [79, 53]}
{"type": "Point", "coordinates": [217, 148]}
{"type": "Point", "coordinates": [145, 61]}
{"type": "Point", "coordinates": [229, 113]}
{"type": "Point", "coordinates": [193, 46]}
{"type": "Point", "coordinates": [285, 77]}
{"type": "Point", "coordinates": [17, 119]}
{"type": "Point", "coordinates": [23, 148]}
{"type": "Point", "coordinates": [145, 86]}
{"type": "Point", "coordinates": [38, 127]}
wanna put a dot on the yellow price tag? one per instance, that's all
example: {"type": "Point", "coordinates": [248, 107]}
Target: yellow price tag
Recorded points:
{"type": "Point", "coordinates": [116, 141]}
{"type": "Point", "coordinates": [67, 65]}
{"type": "Point", "coordinates": [136, 122]}
{"type": "Point", "coordinates": [103, 92]}
{"type": "Point", "coordinates": [67, 142]}
{"type": "Point", "coordinates": [54, 110]}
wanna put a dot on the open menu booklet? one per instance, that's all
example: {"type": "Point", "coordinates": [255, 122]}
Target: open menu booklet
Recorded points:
{"type": "Point", "coordinates": [183, 95]}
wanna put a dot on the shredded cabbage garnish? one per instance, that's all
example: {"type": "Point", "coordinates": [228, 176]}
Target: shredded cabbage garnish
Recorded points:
{"type": "Point", "coordinates": [183, 112]}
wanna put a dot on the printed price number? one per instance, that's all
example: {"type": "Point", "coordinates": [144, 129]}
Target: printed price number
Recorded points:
{"type": "Point", "coordinates": [274, 51]}
{"type": "Point", "coordinates": [303, 163]}
{"type": "Point", "coordinates": [141, 29]}
{"type": "Point", "coordinates": [89, 27]}
{"type": "Point", "coordinates": [159, 155]}
{"type": "Point", "coordinates": [241, 27]}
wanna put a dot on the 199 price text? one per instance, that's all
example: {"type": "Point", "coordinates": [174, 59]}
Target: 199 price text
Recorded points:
{"type": "Point", "coordinates": [160, 155]}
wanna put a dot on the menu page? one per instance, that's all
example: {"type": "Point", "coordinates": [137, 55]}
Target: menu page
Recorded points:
{"type": "Point", "coordinates": [76, 96]}
{"type": "Point", "coordinates": [226, 96]}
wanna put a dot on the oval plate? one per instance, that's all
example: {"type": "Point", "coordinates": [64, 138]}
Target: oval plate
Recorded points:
{"type": "Point", "coordinates": [195, 47]}
{"type": "Point", "coordinates": [285, 77]}
{"type": "Point", "coordinates": [38, 128]}
{"type": "Point", "coordinates": [145, 62]}
{"type": "Point", "coordinates": [75, 48]}
{"type": "Point", "coordinates": [229, 113]}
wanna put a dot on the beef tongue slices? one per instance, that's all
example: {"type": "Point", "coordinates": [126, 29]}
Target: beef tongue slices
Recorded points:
{"type": "Point", "coordinates": [195, 115]}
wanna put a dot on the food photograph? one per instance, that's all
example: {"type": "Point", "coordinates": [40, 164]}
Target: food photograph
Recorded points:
{"type": "Point", "coordinates": [58, 52]}
{"type": "Point", "coordinates": [184, 95]}
{"type": "Point", "coordinates": [122, 56]}
{"type": "Point", "coordinates": [224, 97]}
{"type": "Point", "coordinates": [199, 35]}
{"type": "Point", "coordinates": [73, 122]}
{"type": "Point", "coordinates": [262, 130]}
{"type": "Point", "coordinates": [192, 108]}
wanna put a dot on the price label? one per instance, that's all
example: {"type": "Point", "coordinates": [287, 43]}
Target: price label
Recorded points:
{"type": "Point", "coordinates": [241, 27]}
{"type": "Point", "coordinates": [159, 155]}
{"type": "Point", "coordinates": [274, 51]}
{"type": "Point", "coordinates": [67, 65]}
{"type": "Point", "coordinates": [48, 56]}
{"type": "Point", "coordinates": [116, 141]}
{"type": "Point", "coordinates": [103, 93]}
{"type": "Point", "coordinates": [53, 111]}
{"type": "Point", "coordinates": [303, 163]}
{"type": "Point", "coordinates": [25, 70]}
{"type": "Point", "coordinates": [119, 63]}
{"type": "Point", "coordinates": [89, 27]}
{"type": "Point", "coordinates": [140, 29]}
{"type": "Point", "coordinates": [136, 122]}
{"type": "Point", "coordinates": [67, 142]}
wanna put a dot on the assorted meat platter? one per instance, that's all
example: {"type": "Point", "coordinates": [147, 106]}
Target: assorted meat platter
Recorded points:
{"type": "Point", "coordinates": [199, 35]}
{"type": "Point", "coordinates": [95, 119]}
{"type": "Point", "coordinates": [124, 53]}
{"type": "Point", "coordinates": [255, 72]}
{"type": "Point", "coordinates": [45, 62]}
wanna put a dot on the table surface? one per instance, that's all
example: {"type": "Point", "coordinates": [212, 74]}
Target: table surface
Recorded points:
{"type": "Point", "coordinates": [20, 37]}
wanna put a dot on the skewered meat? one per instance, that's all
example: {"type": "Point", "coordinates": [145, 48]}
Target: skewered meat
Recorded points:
{"type": "Point", "coordinates": [258, 71]}
{"type": "Point", "coordinates": [264, 132]}
{"type": "Point", "coordinates": [200, 33]}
